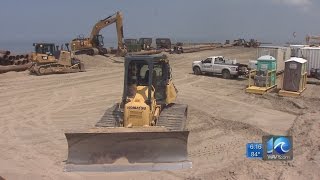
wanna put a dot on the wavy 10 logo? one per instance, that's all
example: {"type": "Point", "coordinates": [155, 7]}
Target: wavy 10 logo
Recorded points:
{"type": "Point", "coordinates": [277, 147]}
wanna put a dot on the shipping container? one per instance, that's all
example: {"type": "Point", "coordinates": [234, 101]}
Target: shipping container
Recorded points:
{"type": "Point", "coordinates": [312, 55]}
{"type": "Point", "coordinates": [280, 53]}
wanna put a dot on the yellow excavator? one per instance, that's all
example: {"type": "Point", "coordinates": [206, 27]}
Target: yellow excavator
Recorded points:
{"type": "Point", "coordinates": [47, 58]}
{"type": "Point", "coordinates": [94, 44]}
{"type": "Point", "coordinates": [146, 130]}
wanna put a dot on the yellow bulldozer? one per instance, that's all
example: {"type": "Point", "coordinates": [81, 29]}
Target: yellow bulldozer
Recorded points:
{"type": "Point", "coordinates": [146, 130]}
{"type": "Point", "coordinates": [49, 59]}
{"type": "Point", "coordinates": [94, 44]}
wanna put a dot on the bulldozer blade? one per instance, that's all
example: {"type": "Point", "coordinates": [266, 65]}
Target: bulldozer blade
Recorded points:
{"type": "Point", "coordinates": [127, 151]}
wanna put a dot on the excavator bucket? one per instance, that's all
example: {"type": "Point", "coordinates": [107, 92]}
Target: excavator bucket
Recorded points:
{"type": "Point", "coordinates": [127, 151]}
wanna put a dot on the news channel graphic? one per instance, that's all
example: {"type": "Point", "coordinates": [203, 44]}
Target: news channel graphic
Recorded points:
{"type": "Point", "coordinates": [271, 148]}
{"type": "Point", "coordinates": [254, 150]}
{"type": "Point", "coordinates": [277, 148]}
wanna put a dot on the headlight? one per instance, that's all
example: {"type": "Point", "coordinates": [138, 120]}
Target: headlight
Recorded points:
{"type": "Point", "coordinates": [45, 57]}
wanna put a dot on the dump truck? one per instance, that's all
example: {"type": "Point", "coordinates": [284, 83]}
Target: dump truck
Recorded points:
{"type": "Point", "coordinates": [94, 44]}
{"type": "Point", "coordinates": [146, 130]}
{"type": "Point", "coordinates": [47, 58]}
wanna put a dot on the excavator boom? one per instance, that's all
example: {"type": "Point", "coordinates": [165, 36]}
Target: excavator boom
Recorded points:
{"type": "Point", "coordinates": [115, 18]}
{"type": "Point", "coordinates": [94, 44]}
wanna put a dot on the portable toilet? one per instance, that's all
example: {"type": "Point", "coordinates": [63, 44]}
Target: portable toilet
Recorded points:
{"type": "Point", "coordinates": [295, 77]}
{"type": "Point", "coordinates": [264, 76]}
{"type": "Point", "coordinates": [268, 64]}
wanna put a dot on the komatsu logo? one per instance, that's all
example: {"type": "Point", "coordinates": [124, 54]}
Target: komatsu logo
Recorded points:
{"type": "Point", "coordinates": [136, 108]}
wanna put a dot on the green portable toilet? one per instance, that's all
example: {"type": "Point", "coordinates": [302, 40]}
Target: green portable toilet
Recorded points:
{"type": "Point", "coordinates": [268, 63]}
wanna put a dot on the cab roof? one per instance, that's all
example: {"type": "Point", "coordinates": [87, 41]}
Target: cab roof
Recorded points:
{"type": "Point", "coordinates": [34, 44]}
{"type": "Point", "coordinates": [157, 57]}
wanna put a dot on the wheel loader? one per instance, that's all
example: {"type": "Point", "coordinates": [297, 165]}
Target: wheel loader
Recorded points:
{"type": "Point", "coordinates": [145, 131]}
{"type": "Point", "coordinates": [49, 59]}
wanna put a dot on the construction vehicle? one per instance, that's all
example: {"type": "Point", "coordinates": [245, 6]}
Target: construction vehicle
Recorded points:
{"type": "Point", "coordinates": [145, 43]}
{"type": "Point", "coordinates": [252, 43]}
{"type": "Point", "coordinates": [145, 131]}
{"type": "Point", "coordinates": [219, 65]}
{"type": "Point", "coordinates": [313, 40]}
{"type": "Point", "coordinates": [177, 48]}
{"type": "Point", "coordinates": [239, 42]}
{"type": "Point", "coordinates": [163, 43]}
{"type": "Point", "coordinates": [49, 59]}
{"type": "Point", "coordinates": [132, 45]}
{"type": "Point", "coordinates": [94, 44]}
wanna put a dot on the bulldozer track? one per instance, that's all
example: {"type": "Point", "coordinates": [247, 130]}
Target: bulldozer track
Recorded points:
{"type": "Point", "coordinates": [173, 117]}
{"type": "Point", "coordinates": [54, 68]}
{"type": "Point", "coordinates": [111, 117]}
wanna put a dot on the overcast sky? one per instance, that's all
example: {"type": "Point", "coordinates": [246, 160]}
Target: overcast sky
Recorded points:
{"type": "Point", "coordinates": [266, 20]}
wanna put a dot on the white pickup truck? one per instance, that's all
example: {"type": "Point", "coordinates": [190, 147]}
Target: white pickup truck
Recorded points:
{"type": "Point", "coordinates": [219, 65]}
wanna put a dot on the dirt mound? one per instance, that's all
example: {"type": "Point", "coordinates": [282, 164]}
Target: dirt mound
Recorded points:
{"type": "Point", "coordinates": [99, 61]}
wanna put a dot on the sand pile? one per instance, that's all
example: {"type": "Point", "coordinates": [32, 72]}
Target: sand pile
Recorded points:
{"type": "Point", "coordinates": [99, 61]}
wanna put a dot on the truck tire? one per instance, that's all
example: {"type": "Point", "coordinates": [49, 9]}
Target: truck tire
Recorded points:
{"type": "Point", "coordinates": [197, 71]}
{"type": "Point", "coordinates": [226, 74]}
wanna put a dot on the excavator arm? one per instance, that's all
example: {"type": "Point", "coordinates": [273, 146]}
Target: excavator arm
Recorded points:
{"type": "Point", "coordinates": [115, 18]}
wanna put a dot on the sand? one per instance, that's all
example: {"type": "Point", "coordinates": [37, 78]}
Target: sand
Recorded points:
{"type": "Point", "coordinates": [35, 111]}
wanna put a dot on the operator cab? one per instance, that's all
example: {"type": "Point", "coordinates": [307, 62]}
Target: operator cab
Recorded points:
{"type": "Point", "coordinates": [44, 48]}
{"type": "Point", "coordinates": [153, 72]}
{"type": "Point", "coordinates": [98, 40]}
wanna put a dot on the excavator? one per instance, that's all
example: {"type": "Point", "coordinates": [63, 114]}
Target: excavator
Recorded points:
{"type": "Point", "coordinates": [94, 44]}
{"type": "Point", "coordinates": [49, 59]}
{"type": "Point", "coordinates": [145, 131]}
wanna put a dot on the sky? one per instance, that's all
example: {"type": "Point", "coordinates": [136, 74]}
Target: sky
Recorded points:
{"type": "Point", "coordinates": [25, 21]}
